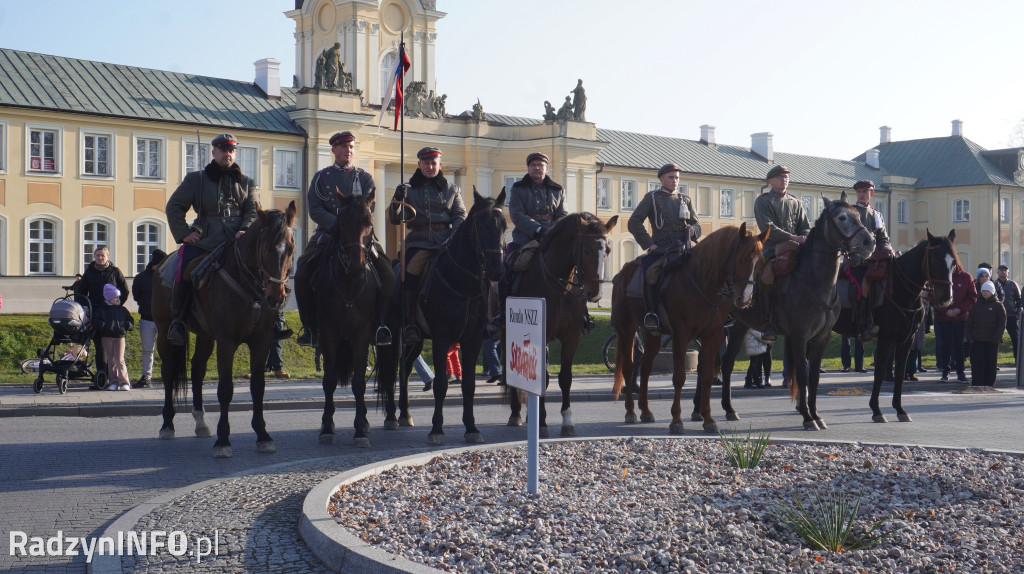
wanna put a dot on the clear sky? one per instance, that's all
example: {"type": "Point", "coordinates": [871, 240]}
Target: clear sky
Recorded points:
{"type": "Point", "coordinates": [822, 76]}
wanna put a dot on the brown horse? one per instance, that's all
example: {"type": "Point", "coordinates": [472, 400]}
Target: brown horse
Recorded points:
{"type": "Point", "coordinates": [566, 272]}
{"type": "Point", "coordinates": [717, 275]}
{"type": "Point", "coordinates": [239, 304]}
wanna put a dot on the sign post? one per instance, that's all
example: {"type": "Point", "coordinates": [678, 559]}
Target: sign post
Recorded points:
{"type": "Point", "coordinates": [526, 368]}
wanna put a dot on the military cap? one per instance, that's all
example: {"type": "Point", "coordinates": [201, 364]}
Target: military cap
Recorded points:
{"type": "Point", "coordinates": [225, 142]}
{"type": "Point", "coordinates": [428, 152]}
{"type": "Point", "coordinates": [342, 137]}
{"type": "Point", "coordinates": [862, 184]}
{"type": "Point", "coordinates": [1001, 267]}
{"type": "Point", "coordinates": [777, 171]}
{"type": "Point", "coordinates": [669, 167]}
{"type": "Point", "coordinates": [537, 155]}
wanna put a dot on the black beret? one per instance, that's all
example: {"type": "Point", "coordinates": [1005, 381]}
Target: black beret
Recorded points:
{"type": "Point", "coordinates": [862, 184]}
{"type": "Point", "coordinates": [777, 171]}
{"type": "Point", "coordinates": [537, 155]}
{"type": "Point", "coordinates": [342, 137]}
{"type": "Point", "coordinates": [669, 167]}
{"type": "Point", "coordinates": [225, 142]}
{"type": "Point", "coordinates": [428, 152]}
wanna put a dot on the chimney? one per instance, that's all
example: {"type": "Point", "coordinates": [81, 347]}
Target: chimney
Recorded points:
{"type": "Point", "coordinates": [871, 158]}
{"type": "Point", "coordinates": [958, 128]}
{"type": "Point", "coordinates": [707, 135]}
{"type": "Point", "coordinates": [886, 136]}
{"type": "Point", "coordinates": [268, 77]}
{"type": "Point", "coordinates": [761, 144]}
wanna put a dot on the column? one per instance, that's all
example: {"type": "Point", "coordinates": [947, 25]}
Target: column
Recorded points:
{"type": "Point", "coordinates": [300, 68]}
{"type": "Point", "coordinates": [358, 67]}
{"type": "Point", "coordinates": [420, 69]}
{"type": "Point", "coordinates": [571, 193]}
{"type": "Point", "coordinates": [588, 201]}
{"type": "Point", "coordinates": [372, 71]}
{"type": "Point", "coordinates": [429, 69]}
{"type": "Point", "coordinates": [483, 182]}
{"type": "Point", "coordinates": [383, 198]}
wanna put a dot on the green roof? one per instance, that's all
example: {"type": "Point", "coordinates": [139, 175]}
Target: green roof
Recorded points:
{"type": "Point", "coordinates": [951, 161]}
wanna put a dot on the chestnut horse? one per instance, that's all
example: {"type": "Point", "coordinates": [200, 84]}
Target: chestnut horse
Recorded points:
{"type": "Point", "coordinates": [239, 304]}
{"type": "Point", "coordinates": [715, 277]}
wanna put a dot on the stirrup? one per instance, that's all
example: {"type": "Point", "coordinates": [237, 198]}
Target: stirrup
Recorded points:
{"type": "Point", "coordinates": [768, 332]}
{"type": "Point", "coordinates": [869, 334]}
{"type": "Point", "coordinates": [306, 338]}
{"type": "Point", "coordinates": [588, 323]}
{"type": "Point", "coordinates": [652, 324]}
{"type": "Point", "coordinates": [177, 333]}
{"type": "Point", "coordinates": [411, 334]}
{"type": "Point", "coordinates": [383, 336]}
{"type": "Point", "coordinates": [498, 320]}
{"type": "Point", "coordinates": [729, 321]}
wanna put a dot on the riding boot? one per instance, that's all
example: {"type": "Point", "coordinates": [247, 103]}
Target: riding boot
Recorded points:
{"type": "Point", "coordinates": [411, 332]}
{"type": "Point", "coordinates": [768, 332]}
{"type": "Point", "coordinates": [651, 322]}
{"type": "Point", "coordinates": [865, 323]}
{"type": "Point", "coordinates": [181, 297]}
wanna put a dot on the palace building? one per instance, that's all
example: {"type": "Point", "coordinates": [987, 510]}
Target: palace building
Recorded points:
{"type": "Point", "coordinates": [90, 152]}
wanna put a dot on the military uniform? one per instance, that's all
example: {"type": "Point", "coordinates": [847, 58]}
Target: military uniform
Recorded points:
{"type": "Point", "coordinates": [534, 208]}
{"type": "Point", "coordinates": [874, 223]}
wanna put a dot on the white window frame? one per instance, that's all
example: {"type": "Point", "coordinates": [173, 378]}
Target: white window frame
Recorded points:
{"type": "Point", "coordinates": [607, 195]}
{"type": "Point", "coordinates": [653, 185]}
{"type": "Point", "coordinates": [94, 245]}
{"type": "Point", "coordinates": [1004, 210]}
{"type": "Point", "coordinates": [622, 193]}
{"type": "Point", "coordinates": [255, 171]}
{"type": "Point", "coordinates": [1004, 259]}
{"type": "Point", "coordinates": [200, 164]}
{"type": "Point", "coordinates": [902, 211]}
{"type": "Point", "coordinates": [57, 152]}
{"type": "Point", "coordinates": [507, 179]}
{"type": "Point", "coordinates": [961, 217]}
{"type": "Point", "coordinates": [162, 177]}
{"type": "Point", "coordinates": [752, 195]}
{"type": "Point", "coordinates": [84, 133]}
{"type": "Point", "coordinates": [298, 166]}
{"type": "Point", "coordinates": [807, 202]}
{"type": "Point", "coordinates": [58, 240]}
{"type": "Point", "coordinates": [388, 61]}
{"type": "Point", "coordinates": [732, 202]}
{"type": "Point", "coordinates": [3, 148]}
{"type": "Point", "coordinates": [162, 233]}
{"type": "Point", "coordinates": [703, 206]}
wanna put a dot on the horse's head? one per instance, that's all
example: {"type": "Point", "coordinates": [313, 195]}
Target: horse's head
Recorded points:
{"type": "Point", "coordinates": [728, 257]}
{"type": "Point", "coordinates": [938, 263]}
{"type": "Point", "coordinates": [275, 247]}
{"type": "Point", "coordinates": [843, 230]}
{"type": "Point", "coordinates": [585, 238]}
{"type": "Point", "coordinates": [745, 264]}
{"type": "Point", "coordinates": [487, 227]}
{"type": "Point", "coordinates": [354, 230]}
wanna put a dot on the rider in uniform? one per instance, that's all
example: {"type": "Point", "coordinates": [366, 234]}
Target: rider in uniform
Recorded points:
{"type": "Point", "coordinates": [674, 227]}
{"type": "Point", "coordinates": [439, 212]}
{"type": "Point", "coordinates": [225, 201]}
{"type": "Point", "coordinates": [873, 222]}
{"type": "Point", "coordinates": [350, 180]}
{"type": "Point", "coordinates": [784, 213]}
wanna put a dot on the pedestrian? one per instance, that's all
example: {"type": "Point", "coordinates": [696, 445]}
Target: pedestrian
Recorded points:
{"type": "Point", "coordinates": [454, 365]}
{"type": "Point", "coordinates": [492, 361]}
{"type": "Point", "coordinates": [759, 352]}
{"type": "Point", "coordinates": [856, 344]}
{"type": "Point", "coordinates": [984, 332]}
{"type": "Point", "coordinates": [983, 274]}
{"type": "Point", "coordinates": [1012, 305]}
{"type": "Point", "coordinates": [142, 293]}
{"type": "Point", "coordinates": [89, 291]}
{"type": "Point", "coordinates": [113, 321]}
{"type": "Point", "coordinates": [950, 323]}
{"type": "Point", "coordinates": [275, 362]}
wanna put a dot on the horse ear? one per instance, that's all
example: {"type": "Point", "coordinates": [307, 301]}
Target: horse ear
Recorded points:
{"type": "Point", "coordinates": [952, 234]}
{"type": "Point", "coordinates": [928, 233]}
{"type": "Point", "coordinates": [476, 195]}
{"type": "Point", "coordinates": [500, 202]}
{"type": "Point", "coordinates": [291, 212]}
{"type": "Point", "coordinates": [743, 229]}
{"type": "Point", "coordinates": [828, 202]}
{"type": "Point", "coordinates": [764, 234]}
{"type": "Point", "coordinates": [842, 197]}
{"type": "Point", "coordinates": [611, 223]}
{"type": "Point", "coordinates": [370, 197]}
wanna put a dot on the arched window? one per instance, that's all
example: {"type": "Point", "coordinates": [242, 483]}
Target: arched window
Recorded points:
{"type": "Point", "coordinates": [387, 67]}
{"type": "Point", "coordinates": [42, 246]}
{"type": "Point", "coordinates": [95, 234]}
{"type": "Point", "coordinates": [148, 235]}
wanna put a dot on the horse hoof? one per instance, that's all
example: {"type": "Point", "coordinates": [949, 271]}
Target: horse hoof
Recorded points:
{"type": "Point", "coordinates": [391, 425]}
{"type": "Point", "coordinates": [515, 421]}
{"type": "Point", "coordinates": [366, 428]}
{"type": "Point", "coordinates": [904, 418]}
{"type": "Point", "coordinates": [631, 419]}
{"type": "Point", "coordinates": [569, 431]}
{"type": "Point", "coordinates": [711, 428]}
{"type": "Point", "coordinates": [326, 438]}
{"type": "Point", "coordinates": [810, 425]}
{"type": "Point", "coordinates": [696, 416]}
{"type": "Point", "coordinates": [222, 452]}
{"type": "Point", "coordinates": [405, 422]}
{"type": "Point", "coordinates": [436, 439]}
{"type": "Point", "coordinates": [266, 447]}
{"type": "Point", "coordinates": [732, 417]}
{"type": "Point", "coordinates": [543, 432]}
{"type": "Point", "coordinates": [675, 428]}
{"type": "Point", "coordinates": [821, 424]}
{"type": "Point", "coordinates": [361, 442]}
{"type": "Point", "coordinates": [166, 434]}
{"type": "Point", "coordinates": [879, 419]}
{"type": "Point", "coordinates": [647, 417]}
{"type": "Point", "coordinates": [474, 438]}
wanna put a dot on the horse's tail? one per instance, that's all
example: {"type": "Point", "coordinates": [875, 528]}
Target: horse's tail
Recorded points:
{"type": "Point", "coordinates": [179, 372]}
{"type": "Point", "coordinates": [384, 383]}
{"type": "Point", "coordinates": [619, 379]}
{"type": "Point", "coordinates": [506, 395]}
{"type": "Point", "coordinates": [790, 377]}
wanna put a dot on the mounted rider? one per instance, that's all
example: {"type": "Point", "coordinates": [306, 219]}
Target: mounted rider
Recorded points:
{"type": "Point", "coordinates": [856, 270]}
{"type": "Point", "coordinates": [226, 203]}
{"type": "Point", "coordinates": [674, 228]}
{"type": "Point", "coordinates": [784, 214]}
{"type": "Point", "coordinates": [344, 177]}
{"type": "Point", "coordinates": [439, 212]}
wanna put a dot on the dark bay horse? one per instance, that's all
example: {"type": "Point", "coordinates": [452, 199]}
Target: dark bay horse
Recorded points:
{"type": "Point", "coordinates": [346, 294]}
{"type": "Point", "coordinates": [239, 304]}
{"type": "Point", "coordinates": [453, 306]}
{"type": "Point", "coordinates": [805, 305]}
{"type": "Point", "coordinates": [566, 273]}
{"type": "Point", "coordinates": [716, 277]}
{"type": "Point", "coordinates": [930, 262]}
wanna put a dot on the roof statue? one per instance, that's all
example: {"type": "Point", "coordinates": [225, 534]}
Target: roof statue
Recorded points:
{"type": "Point", "coordinates": [549, 111]}
{"type": "Point", "coordinates": [478, 110]}
{"type": "Point", "coordinates": [579, 102]}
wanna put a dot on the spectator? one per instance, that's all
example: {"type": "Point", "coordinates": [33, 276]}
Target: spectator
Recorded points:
{"type": "Point", "coordinates": [89, 291]}
{"type": "Point", "coordinates": [1012, 305]}
{"type": "Point", "coordinates": [142, 293]}
{"type": "Point", "coordinates": [950, 323]}
{"type": "Point", "coordinates": [858, 354]}
{"type": "Point", "coordinates": [112, 322]}
{"type": "Point", "coordinates": [984, 331]}
{"type": "Point", "coordinates": [454, 366]}
{"type": "Point", "coordinates": [760, 353]}
{"type": "Point", "coordinates": [492, 363]}
{"type": "Point", "coordinates": [275, 362]}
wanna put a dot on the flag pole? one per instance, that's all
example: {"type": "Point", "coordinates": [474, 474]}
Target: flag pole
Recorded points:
{"type": "Point", "coordinates": [401, 231]}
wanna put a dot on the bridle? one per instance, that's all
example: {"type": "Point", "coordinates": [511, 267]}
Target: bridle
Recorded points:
{"type": "Point", "coordinates": [574, 284]}
{"type": "Point", "coordinates": [845, 241]}
{"type": "Point", "coordinates": [257, 283]}
{"type": "Point", "coordinates": [350, 267]}
{"type": "Point", "coordinates": [479, 275]}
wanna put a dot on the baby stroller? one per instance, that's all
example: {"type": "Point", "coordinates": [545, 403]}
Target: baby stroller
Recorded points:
{"type": "Point", "coordinates": [66, 354]}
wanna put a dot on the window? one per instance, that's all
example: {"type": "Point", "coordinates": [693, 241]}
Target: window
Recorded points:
{"type": "Point", "coordinates": [147, 239]}
{"type": "Point", "coordinates": [628, 194]}
{"type": "Point", "coordinates": [703, 203]}
{"type": "Point", "coordinates": [880, 207]}
{"type": "Point", "coordinates": [149, 158]}
{"type": "Point", "coordinates": [604, 186]}
{"type": "Point", "coordinates": [507, 181]}
{"type": "Point", "coordinates": [961, 210]}
{"type": "Point", "coordinates": [286, 168]}
{"type": "Point", "coordinates": [387, 69]}
{"type": "Point", "coordinates": [95, 234]}
{"type": "Point", "coordinates": [42, 247]}
{"type": "Point", "coordinates": [728, 206]}
{"type": "Point", "coordinates": [807, 201]}
{"type": "Point", "coordinates": [198, 155]}
{"type": "Point", "coordinates": [248, 159]}
{"type": "Point", "coordinates": [3, 148]}
{"type": "Point", "coordinates": [43, 147]}
{"type": "Point", "coordinates": [1004, 210]}
{"type": "Point", "coordinates": [1004, 259]}
{"type": "Point", "coordinates": [97, 154]}
{"type": "Point", "coordinates": [902, 211]}
{"type": "Point", "coordinates": [653, 185]}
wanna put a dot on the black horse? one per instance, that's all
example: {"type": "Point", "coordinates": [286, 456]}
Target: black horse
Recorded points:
{"type": "Point", "coordinates": [806, 307]}
{"type": "Point", "coordinates": [453, 307]}
{"type": "Point", "coordinates": [346, 295]}
{"type": "Point", "coordinates": [930, 262]}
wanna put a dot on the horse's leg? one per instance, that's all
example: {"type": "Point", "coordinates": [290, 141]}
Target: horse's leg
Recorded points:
{"type": "Point", "coordinates": [225, 392]}
{"type": "Point", "coordinates": [899, 375]}
{"type": "Point", "coordinates": [360, 358]}
{"type": "Point", "coordinates": [385, 386]}
{"type": "Point", "coordinates": [796, 352]}
{"type": "Point", "coordinates": [565, 383]}
{"type": "Point", "coordinates": [883, 356]}
{"type": "Point", "coordinates": [258, 353]}
{"type": "Point", "coordinates": [815, 352]}
{"type": "Point", "coordinates": [470, 351]}
{"type": "Point", "coordinates": [329, 352]}
{"type": "Point", "coordinates": [652, 347]}
{"type": "Point", "coordinates": [709, 346]}
{"type": "Point", "coordinates": [542, 428]}
{"type": "Point", "coordinates": [625, 365]}
{"type": "Point", "coordinates": [200, 361]}
{"type": "Point", "coordinates": [440, 388]}
{"type": "Point", "coordinates": [407, 360]}
{"type": "Point", "coordinates": [732, 349]}
{"type": "Point", "coordinates": [172, 359]}
{"type": "Point", "coordinates": [679, 344]}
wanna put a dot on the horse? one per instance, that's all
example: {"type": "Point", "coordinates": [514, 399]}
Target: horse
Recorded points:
{"type": "Point", "coordinates": [698, 297]}
{"type": "Point", "coordinates": [453, 305]}
{"type": "Point", "coordinates": [346, 296]}
{"type": "Point", "coordinates": [806, 307]}
{"type": "Point", "coordinates": [245, 290]}
{"type": "Point", "coordinates": [930, 262]}
{"type": "Point", "coordinates": [566, 273]}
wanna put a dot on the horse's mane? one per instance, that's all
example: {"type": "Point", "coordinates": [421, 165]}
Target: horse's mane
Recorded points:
{"type": "Point", "coordinates": [594, 225]}
{"type": "Point", "coordinates": [709, 252]}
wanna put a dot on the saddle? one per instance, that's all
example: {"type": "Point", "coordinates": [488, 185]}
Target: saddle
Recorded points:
{"type": "Point", "coordinates": [783, 262]}
{"type": "Point", "coordinates": [519, 260]}
{"type": "Point", "coordinates": [878, 265]}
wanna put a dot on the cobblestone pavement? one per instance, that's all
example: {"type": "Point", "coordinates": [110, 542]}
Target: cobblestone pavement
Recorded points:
{"type": "Point", "coordinates": [76, 475]}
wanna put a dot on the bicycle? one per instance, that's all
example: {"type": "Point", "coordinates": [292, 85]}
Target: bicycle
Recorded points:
{"type": "Point", "coordinates": [609, 348]}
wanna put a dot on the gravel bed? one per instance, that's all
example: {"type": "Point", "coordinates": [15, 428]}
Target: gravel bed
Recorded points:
{"type": "Point", "coordinates": [676, 505]}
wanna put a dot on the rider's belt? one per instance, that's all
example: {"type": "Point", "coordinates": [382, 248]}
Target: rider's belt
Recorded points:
{"type": "Point", "coordinates": [672, 228]}
{"type": "Point", "coordinates": [431, 227]}
{"type": "Point", "coordinates": [542, 217]}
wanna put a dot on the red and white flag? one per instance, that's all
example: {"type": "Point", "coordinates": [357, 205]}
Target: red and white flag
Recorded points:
{"type": "Point", "coordinates": [395, 86]}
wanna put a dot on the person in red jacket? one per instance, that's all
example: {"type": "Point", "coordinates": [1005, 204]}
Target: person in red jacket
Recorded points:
{"type": "Point", "coordinates": [950, 324]}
